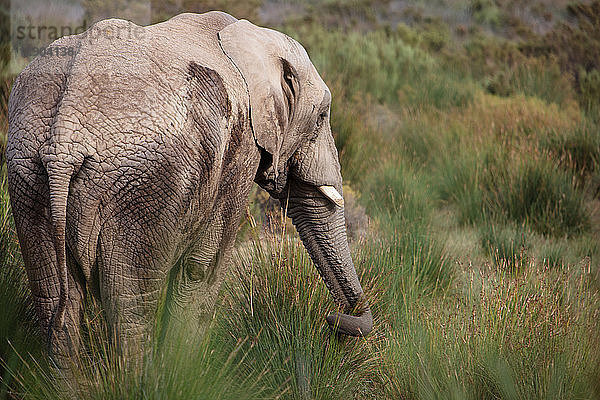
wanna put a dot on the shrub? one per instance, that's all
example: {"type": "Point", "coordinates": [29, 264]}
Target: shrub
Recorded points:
{"type": "Point", "coordinates": [488, 55]}
{"type": "Point", "coordinates": [485, 12]}
{"type": "Point", "coordinates": [576, 46]}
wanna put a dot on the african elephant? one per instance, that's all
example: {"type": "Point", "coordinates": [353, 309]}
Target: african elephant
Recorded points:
{"type": "Point", "coordinates": [132, 154]}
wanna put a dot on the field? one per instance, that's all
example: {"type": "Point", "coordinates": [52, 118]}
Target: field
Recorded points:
{"type": "Point", "coordinates": [469, 137]}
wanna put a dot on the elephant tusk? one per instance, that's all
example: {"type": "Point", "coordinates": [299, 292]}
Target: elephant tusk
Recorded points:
{"type": "Point", "coordinates": [332, 194]}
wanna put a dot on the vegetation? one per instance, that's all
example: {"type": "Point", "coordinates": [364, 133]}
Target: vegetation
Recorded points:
{"type": "Point", "coordinates": [470, 131]}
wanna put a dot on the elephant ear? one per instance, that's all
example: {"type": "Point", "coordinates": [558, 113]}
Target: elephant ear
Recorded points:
{"type": "Point", "coordinates": [262, 55]}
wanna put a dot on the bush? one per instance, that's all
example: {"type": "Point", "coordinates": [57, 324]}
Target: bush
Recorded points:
{"type": "Point", "coordinates": [575, 46]}
{"type": "Point", "coordinates": [487, 55]}
{"type": "Point", "coordinates": [485, 12]}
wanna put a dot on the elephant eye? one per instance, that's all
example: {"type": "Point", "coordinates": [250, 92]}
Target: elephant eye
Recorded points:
{"type": "Point", "coordinates": [321, 118]}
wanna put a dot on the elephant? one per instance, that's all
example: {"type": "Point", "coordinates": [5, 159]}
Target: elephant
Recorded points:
{"type": "Point", "coordinates": [131, 155]}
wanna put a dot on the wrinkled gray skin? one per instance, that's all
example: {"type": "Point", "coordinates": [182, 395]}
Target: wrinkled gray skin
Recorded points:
{"type": "Point", "coordinates": [130, 164]}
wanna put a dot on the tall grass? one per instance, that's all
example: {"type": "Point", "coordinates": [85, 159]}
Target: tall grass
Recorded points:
{"type": "Point", "coordinates": [18, 329]}
{"type": "Point", "coordinates": [279, 302]}
{"type": "Point", "coordinates": [507, 246]}
{"type": "Point", "coordinates": [533, 78]}
{"type": "Point", "coordinates": [185, 366]}
{"type": "Point", "coordinates": [525, 336]}
{"type": "Point", "coordinates": [577, 149]}
{"type": "Point", "coordinates": [536, 193]}
{"type": "Point", "coordinates": [525, 187]}
{"type": "Point", "coordinates": [269, 340]}
{"type": "Point", "coordinates": [499, 337]}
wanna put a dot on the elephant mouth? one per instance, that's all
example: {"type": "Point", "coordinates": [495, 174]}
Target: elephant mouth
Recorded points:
{"type": "Point", "coordinates": [269, 178]}
{"type": "Point", "coordinates": [279, 191]}
{"type": "Point", "coordinates": [275, 181]}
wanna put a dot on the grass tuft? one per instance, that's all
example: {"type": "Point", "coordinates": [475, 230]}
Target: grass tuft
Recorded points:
{"type": "Point", "coordinates": [508, 247]}
{"type": "Point", "coordinates": [538, 193]}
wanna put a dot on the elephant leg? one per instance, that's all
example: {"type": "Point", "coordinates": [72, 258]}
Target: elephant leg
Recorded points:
{"type": "Point", "coordinates": [74, 307]}
{"type": "Point", "coordinates": [130, 283]}
{"type": "Point", "coordinates": [194, 283]}
{"type": "Point", "coordinates": [40, 262]}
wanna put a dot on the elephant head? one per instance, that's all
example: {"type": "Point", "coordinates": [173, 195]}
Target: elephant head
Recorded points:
{"type": "Point", "coordinates": [289, 109]}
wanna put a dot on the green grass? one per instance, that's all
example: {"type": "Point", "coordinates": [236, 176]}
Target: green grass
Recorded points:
{"type": "Point", "coordinates": [278, 301]}
{"type": "Point", "coordinates": [457, 181]}
{"type": "Point", "coordinates": [524, 188]}
{"type": "Point", "coordinates": [537, 193]}
{"type": "Point", "coordinates": [577, 149]}
{"type": "Point", "coordinates": [186, 366]}
{"type": "Point", "coordinates": [501, 336]}
{"type": "Point", "coordinates": [507, 246]}
{"type": "Point", "coordinates": [397, 72]}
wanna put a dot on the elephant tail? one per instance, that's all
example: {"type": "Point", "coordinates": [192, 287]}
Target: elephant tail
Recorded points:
{"type": "Point", "coordinates": [59, 178]}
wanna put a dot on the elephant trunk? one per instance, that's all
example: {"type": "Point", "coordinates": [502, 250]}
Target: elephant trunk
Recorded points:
{"type": "Point", "coordinates": [321, 226]}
